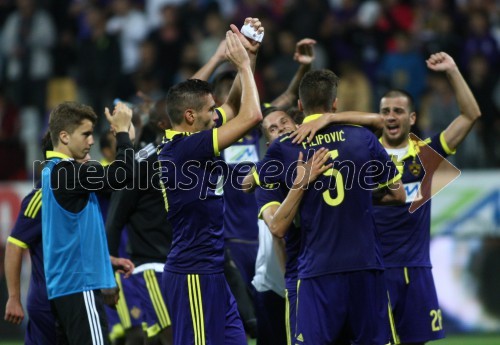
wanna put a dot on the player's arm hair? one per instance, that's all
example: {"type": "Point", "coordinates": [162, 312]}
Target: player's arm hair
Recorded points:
{"type": "Point", "coordinates": [12, 265]}
{"type": "Point", "coordinates": [469, 110]}
{"type": "Point", "coordinates": [373, 121]}
{"type": "Point", "coordinates": [393, 194]}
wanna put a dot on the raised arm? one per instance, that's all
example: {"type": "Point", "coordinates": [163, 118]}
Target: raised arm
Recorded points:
{"type": "Point", "coordinates": [215, 61]}
{"type": "Point", "coordinates": [469, 109]}
{"type": "Point", "coordinates": [233, 102]}
{"type": "Point", "coordinates": [14, 312]}
{"type": "Point", "coordinates": [304, 55]}
{"type": "Point", "coordinates": [249, 115]}
{"type": "Point", "coordinates": [307, 130]}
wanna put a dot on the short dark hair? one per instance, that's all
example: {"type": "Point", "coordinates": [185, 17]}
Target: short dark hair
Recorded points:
{"type": "Point", "coordinates": [46, 144]}
{"type": "Point", "coordinates": [394, 93]}
{"type": "Point", "coordinates": [318, 90]}
{"type": "Point", "coordinates": [185, 95]}
{"type": "Point", "coordinates": [67, 116]}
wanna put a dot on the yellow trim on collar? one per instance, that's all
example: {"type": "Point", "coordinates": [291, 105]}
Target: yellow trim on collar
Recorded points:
{"type": "Point", "coordinates": [55, 154]}
{"type": "Point", "coordinates": [311, 117]}
{"type": "Point", "coordinates": [170, 133]}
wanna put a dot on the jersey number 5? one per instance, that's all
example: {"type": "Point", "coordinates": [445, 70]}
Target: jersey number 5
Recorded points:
{"type": "Point", "coordinates": [339, 183]}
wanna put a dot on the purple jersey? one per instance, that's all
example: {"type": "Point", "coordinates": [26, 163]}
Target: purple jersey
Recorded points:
{"type": "Point", "coordinates": [337, 225]}
{"type": "Point", "coordinates": [405, 236]}
{"type": "Point", "coordinates": [27, 233]}
{"type": "Point", "coordinates": [267, 196]}
{"type": "Point", "coordinates": [192, 178]}
{"type": "Point", "coordinates": [240, 208]}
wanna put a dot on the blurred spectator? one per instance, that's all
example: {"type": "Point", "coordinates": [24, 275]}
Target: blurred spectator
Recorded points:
{"type": "Point", "coordinates": [130, 25]}
{"type": "Point", "coordinates": [215, 30]}
{"type": "Point", "coordinates": [403, 68]}
{"type": "Point", "coordinates": [482, 80]}
{"type": "Point", "coordinates": [11, 149]}
{"type": "Point", "coordinates": [479, 40]}
{"type": "Point", "coordinates": [153, 9]}
{"type": "Point", "coordinates": [28, 36]}
{"type": "Point", "coordinates": [99, 65]}
{"type": "Point", "coordinates": [354, 91]}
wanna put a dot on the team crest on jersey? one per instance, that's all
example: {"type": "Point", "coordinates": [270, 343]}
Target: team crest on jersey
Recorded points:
{"type": "Point", "coordinates": [415, 168]}
{"type": "Point", "coordinates": [135, 312]}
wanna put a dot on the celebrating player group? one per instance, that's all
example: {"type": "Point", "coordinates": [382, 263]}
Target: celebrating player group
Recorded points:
{"type": "Point", "coordinates": [197, 237]}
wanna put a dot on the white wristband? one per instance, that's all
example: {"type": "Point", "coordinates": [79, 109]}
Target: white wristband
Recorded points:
{"type": "Point", "coordinates": [248, 31]}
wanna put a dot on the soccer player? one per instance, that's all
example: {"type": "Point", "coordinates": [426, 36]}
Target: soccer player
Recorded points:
{"type": "Point", "coordinates": [405, 236]}
{"type": "Point", "coordinates": [140, 208]}
{"type": "Point", "coordinates": [27, 234]}
{"type": "Point", "coordinates": [202, 306]}
{"type": "Point", "coordinates": [340, 266]}
{"type": "Point", "coordinates": [77, 263]}
{"type": "Point", "coordinates": [276, 123]}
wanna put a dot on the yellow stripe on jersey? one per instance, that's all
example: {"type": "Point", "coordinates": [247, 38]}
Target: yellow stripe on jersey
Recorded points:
{"type": "Point", "coordinates": [263, 208]}
{"type": "Point", "coordinates": [153, 330]}
{"type": "Point", "coordinates": [164, 194]}
{"type": "Point", "coordinates": [391, 181]}
{"type": "Point", "coordinates": [196, 305]}
{"type": "Point", "coordinates": [157, 298]}
{"type": "Point", "coordinates": [297, 308]}
{"type": "Point", "coordinates": [16, 242]}
{"type": "Point", "coordinates": [222, 113]}
{"type": "Point", "coordinates": [117, 332]}
{"type": "Point", "coordinates": [255, 176]}
{"type": "Point", "coordinates": [287, 319]}
{"type": "Point", "coordinates": [36, 209]}
{"type": "Point", "coordinates": [395, 336]}
{"type": "Point", "coordinates": [215, 140]}
{"type": "Point", "coordinates": [407, 276]}
{"type": "Point", "coordinates": [121, 306]}
{"type": "Point", "coordinates": [445, 146]}
{"type": "Point", "coordinates": [35, 200]}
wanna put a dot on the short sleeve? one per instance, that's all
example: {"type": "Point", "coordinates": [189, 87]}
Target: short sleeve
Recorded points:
{"type": "Point", "coordinates": [199, 146]}
{"type": "Point", "coordinates": [28, 227]}
{"type": "Point", "coordinates": [267, 196]}
{"type": "Point", "coordinates": [439, 144]}
{"type": "Point", "coordinates": [221, 118]}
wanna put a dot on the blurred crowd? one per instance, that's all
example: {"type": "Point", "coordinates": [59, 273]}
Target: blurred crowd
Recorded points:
{"type": "Point", "coordinates": [95, 51]}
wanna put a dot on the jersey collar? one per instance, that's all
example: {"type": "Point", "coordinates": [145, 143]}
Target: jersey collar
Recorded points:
{"type": "Point", "coordinates": [55, 154]}
{"type": "Point", "coordinates": [311, 117]}
{"type": "Point", "coordinates": [170, 134]}
{"type": "Point", "coordinates": [413, 149]}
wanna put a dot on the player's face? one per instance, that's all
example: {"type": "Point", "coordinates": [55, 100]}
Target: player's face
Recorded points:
{"type": "Point", "coordinates": [277, 123]}
{"type": "Point", "coordinates": [206, 117]}
{"type": "Point", "coordinates": [397, 120]}
{"type": "Point", "coordinates": [81, 140]}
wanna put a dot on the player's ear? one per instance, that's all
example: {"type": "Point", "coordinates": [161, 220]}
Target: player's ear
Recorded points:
{"type": "Point", "coordinates": [64, 137]}
{"type": "Point", "coordinates": [189, 116]}
{"type": "Point", "coordinates": [413, 118]}
{"type": "Point", "coordinates": [299, 105]}
{"type": "Point", "coordinates": [334, 105]}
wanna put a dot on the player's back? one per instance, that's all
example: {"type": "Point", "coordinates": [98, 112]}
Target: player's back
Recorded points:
{"type": "Point", "coordinates": [338, 229]}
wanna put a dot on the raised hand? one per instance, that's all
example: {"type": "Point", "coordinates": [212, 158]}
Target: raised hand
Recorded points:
{"type": "Point", "coordinates": [235, 52]}
{"type": "Point", "coordinates": [315, 166]}
{"type": "Point", "coordinates": [304, 51]}
{"type": "Point", "coordinates": [121, 118]}
{"type": "Point", "coordinates": [441, 62]}
{"type": "Point", "coordinates": [308, 130]}
{"type": "Point", "coordinates": [250, 45]}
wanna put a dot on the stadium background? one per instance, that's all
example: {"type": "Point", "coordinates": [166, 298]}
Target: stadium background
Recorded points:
{"type": "Point", "coordinates": [95, 51]}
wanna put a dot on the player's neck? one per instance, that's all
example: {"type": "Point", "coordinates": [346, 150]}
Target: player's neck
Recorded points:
{"type": "Point", "coordinates": [183, 128]}
{"type": "Point", "coordinates": [63, 149]}
{"type": "Point", "coordinates": [394, 145]}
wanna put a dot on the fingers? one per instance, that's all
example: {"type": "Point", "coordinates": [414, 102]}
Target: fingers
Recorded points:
{"type": "Point", "coordinates": [301, 158]}
{"type": "Point", "coordinates": [108, 115]}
